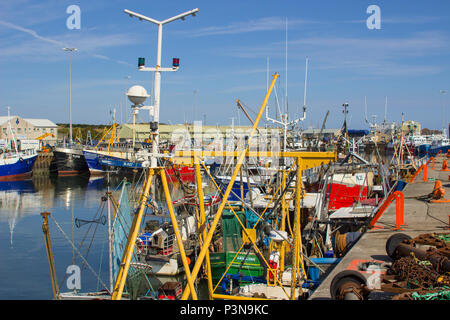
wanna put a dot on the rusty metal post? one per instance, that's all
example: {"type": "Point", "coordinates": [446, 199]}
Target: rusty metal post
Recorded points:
{"type": "Point", "coordinates": [51, 261]}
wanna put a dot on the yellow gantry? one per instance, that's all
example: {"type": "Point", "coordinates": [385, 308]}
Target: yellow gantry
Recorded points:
{"type": "Point", "coordinates": [303, 160]}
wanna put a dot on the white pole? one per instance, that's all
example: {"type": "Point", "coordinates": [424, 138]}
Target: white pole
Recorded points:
{"type": "Point", "coordinates": [286, 98]}
{"type": "Point", "coordinates": [70, 50]}
{"type": "Point", "coordinates": [443, 92]}
{"type": "Point", "coordinates": [70, 96]}
{"type": "Point", "coordinates": [134, 126]}
{"type": "Point", "coordinates": [111, 281]}
{"type": "Point", "coordinates": [13, 139]}
{"type": "Point", "coordinates": [157, 84]}
{"type": "Point", "coordinates": [195, 106]}
{"type": "Point", "coordinates": [157, 98]}
{"type": "Point", "coordinates": [306, 80]}
{"type": "Point", "coordinates": [125, 102]}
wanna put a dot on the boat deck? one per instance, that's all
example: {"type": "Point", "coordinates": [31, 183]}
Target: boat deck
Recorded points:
{"type": "Point", "coordinates": [420, 217]}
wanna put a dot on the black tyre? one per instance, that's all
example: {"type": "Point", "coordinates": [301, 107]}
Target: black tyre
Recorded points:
{"type": "Point", "coordinates": [393, 242]}
{"type": "Point", "coordinates": [348, 278]}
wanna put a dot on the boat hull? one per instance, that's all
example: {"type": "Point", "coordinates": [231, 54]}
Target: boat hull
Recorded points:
{"type": "Point", "coordinates": [246, 265]}
{"type": "Point", "coordinates": [164, 267]}
{"type": "Point", "coordinates": [92, 162]}
{"type": "Point", "coordinates": [433, 151]}
{"type": "Point", "coordinates": [18, 169]}
{"type": "Point", "coordinates": [100, 163]}
{"type": "Point", "coordinates": [70, 161]}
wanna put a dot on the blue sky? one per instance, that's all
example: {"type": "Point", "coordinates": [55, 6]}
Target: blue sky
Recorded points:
{"type": "Point", "coordinates": [223, 55]}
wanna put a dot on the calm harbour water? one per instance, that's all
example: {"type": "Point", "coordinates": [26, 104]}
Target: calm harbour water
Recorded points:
{"type": "Point", "coordinates": [24, 266]}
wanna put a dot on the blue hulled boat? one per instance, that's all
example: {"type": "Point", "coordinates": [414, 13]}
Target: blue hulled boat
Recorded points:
{"type": "Point", "coordinates": [17, 165]}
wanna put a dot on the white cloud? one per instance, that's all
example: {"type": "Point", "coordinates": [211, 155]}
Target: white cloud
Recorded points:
{"type": "Point", "coordinates": [401, 20]}
{"type": "Point", "coordinates": [30, 32]}
{"type": "Point", "coordinates": [371, 55]}
{"type": "Point", "coordinates": [86, 42]}
{"type": "Point", "coordinates": [256, 25]}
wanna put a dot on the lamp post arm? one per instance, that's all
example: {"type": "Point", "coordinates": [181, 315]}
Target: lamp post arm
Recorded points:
{"type": "Point", "coordinates": [180, 16]}
{"type": "Point", "coordinates": [140, 16]}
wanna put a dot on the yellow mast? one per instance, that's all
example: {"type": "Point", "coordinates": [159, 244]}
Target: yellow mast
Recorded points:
{"type": "Point", "coordinates": [131, 241]}
{"type": "Point", "coordinates": [218, 215]}
{"type": "Point", "coordinates": [202, 228]}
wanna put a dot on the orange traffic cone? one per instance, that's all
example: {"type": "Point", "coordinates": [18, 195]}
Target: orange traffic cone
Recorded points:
{"type": "Point", "coordinates": [448, 153]}
{"type": "Point", "coordinates": [445, 166]}
{"type": "Point", "coordinates": [438, 193]}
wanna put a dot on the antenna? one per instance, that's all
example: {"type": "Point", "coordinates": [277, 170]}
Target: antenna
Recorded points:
{"type": "Point", "coordinates": [365, 106]}
{"type": "Point", "coordinates": [267, 87]}
{"type": "Point", "coordinates": [304, 94]}
{"type": "Point", "coordinates": [385, 111]}
{"type": "Point", "coordinates": [286, 98]}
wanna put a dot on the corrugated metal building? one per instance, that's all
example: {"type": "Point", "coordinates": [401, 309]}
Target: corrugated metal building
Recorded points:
{"type": "Point", "coordinates": [25, 128]}
{"type": "Point", "coordinates": [125, 131]}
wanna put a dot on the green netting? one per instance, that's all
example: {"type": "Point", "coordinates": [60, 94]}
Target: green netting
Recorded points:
{"type": "Point", "coordinates": [232, 230]}
{"type": "Point", "coordinates": [443, 294]}
{"type": "Point", "coordinates": [444, 237]}
{"type": "Point", "coordinates": [121, 227]}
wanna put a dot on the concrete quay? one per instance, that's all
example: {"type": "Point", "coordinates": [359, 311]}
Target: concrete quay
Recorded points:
{"type": "Point", "coordinates": [420, 217]}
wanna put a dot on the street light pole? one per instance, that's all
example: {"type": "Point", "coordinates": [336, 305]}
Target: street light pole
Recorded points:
{"type": "Point", "coordinates": [158, 69]}
{"type": "Point", "coordinates": [70, 50]}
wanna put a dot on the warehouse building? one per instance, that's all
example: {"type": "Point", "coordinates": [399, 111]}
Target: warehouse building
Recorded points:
{"type": "Point", "coordinates": [28, 129]}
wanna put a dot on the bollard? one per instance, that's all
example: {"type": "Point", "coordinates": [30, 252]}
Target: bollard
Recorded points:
{"type": "Point", "coordinates": [438, 193]}
{"type": "Point", "coordinates": [399, 211]}
{"type": "Point", "coordinates": [422, 167]}
{"type": "Point", "coordinates": [445, 166]}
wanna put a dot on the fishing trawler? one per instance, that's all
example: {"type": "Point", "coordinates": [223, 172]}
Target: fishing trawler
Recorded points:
{"type": "Point", "coordinates": [15, 164]}
{"type": "Point", "coordinates": [69, 159]}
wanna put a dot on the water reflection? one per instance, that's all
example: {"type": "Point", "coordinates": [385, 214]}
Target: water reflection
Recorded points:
{"type": "Point", "coordinates": [15, 198]}
{"type": "Point", "coordinates": [24, 264]}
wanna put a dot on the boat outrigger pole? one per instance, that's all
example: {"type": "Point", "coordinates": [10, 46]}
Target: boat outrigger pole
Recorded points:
{"type": "Point", "coordinates": [207, 241]}
{"type": "Point", "coordinates": [51, 261]}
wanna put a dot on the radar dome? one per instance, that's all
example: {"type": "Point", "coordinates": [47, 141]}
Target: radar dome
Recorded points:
{"type": "Point", "coordinates": [137, 95]}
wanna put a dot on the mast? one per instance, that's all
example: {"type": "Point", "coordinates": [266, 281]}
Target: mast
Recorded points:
{"type": "Point", "coordinates": [286, 98]}
{"type": "Point", "coordinates": [111, 280]}
{"type": "Point", "coordinates": [304, 92]}
{"type": "Point", "coordinates": [385, 110]}
{"type": "Point", "coordinates": [13, 139]}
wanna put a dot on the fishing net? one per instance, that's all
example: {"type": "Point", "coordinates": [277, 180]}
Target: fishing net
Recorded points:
{"type": "Point", "coordinates": [232, 230]}
{"type": "Point", "coordinates": [443, 237]}
{"type": "Point", "coordinates": [441, 294]}
{"type": "Point", "coordinates": [137, 283]}
{"type": "Point", "coordinates": [121, 227]}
